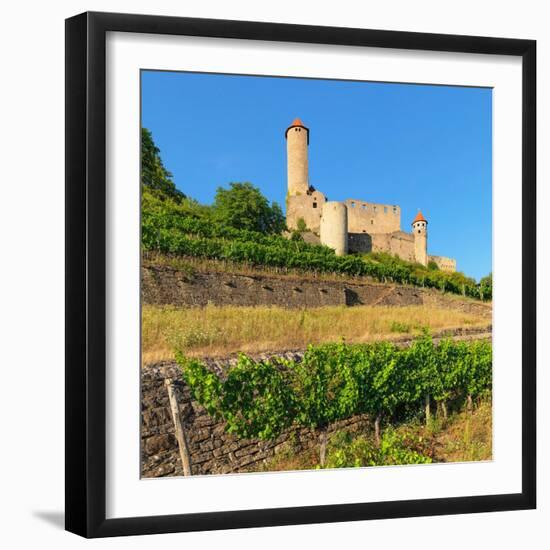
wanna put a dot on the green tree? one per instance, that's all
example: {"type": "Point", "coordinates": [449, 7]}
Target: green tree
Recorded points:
{"type": "Point", "coordinates": [486, 287]}
{"type": "Point", "coordinates": [243, 206]}
{"type": "Point", "coordinates": [154, 175]}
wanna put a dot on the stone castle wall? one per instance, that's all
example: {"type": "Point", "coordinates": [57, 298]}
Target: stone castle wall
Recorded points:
{"type": "Point", "coordinates": [307, 206]}
{"type": "Point", "coordinates": [212, 450]}
{"type": "Point", "coordinates": [368, 217]}
{"type": "Point", "coordinates": [334, 227]}
{"type": "Point", "coordinates": [363, 217]}
{"type": "Point", "coordinates": [398, 242]}
{"type": "Point", "coordinates": [444, 263]}
{"type": "Point", "coordinates": [359, 242]}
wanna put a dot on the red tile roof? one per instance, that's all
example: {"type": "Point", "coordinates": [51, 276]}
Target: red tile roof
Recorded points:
{"type": "Point", "coordinates": [297, 122]}
{"type": "Point", "coordinates": [420, 218]}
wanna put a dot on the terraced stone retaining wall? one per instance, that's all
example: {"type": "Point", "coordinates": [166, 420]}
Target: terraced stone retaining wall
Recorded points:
{"type": "Point", "coordinates": [212, 450]}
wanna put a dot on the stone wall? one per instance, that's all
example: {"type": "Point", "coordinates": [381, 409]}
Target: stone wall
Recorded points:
{"type": "Point", "coordinates": [212, 450]}
{"type": "Point", "coordinates": [334, 227]}
{"type": "Point", "coordinates": [371, 227]}
{"type": "Point", "coordinates": [307, 206]}
{"type": "Point", "coordinates": [372, 218]}
{"type": "Point", "coordinates": [398, 242]}
{"type": "Point", "coordinates": [444, 263]}
{"type": "Point", "coordinates": [360, 242]}
{"type": "Point", "coordinates": [363, 217]}
{"type": "Point", "coordinates": [163, 285]}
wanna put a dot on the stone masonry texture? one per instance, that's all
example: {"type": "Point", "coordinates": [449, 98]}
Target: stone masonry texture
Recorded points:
{"type": "Point", "coordinates": [163, 285]}
{"type": "Point", "coordinates": [212, 450]}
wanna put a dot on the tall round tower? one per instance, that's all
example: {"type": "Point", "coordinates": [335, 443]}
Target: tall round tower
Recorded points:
{"type": "Point", "coordinates": [297, 141]}
{"type": "Point", "coordinates": [420, 232]}
{"type": "Point", "coordinates": [334, 227]}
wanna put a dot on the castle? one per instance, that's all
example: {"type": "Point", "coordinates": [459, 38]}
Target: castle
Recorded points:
{"type": "Point", "coordinates": [352, 225]}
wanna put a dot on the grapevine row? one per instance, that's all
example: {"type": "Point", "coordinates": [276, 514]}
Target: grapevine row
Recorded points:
{"type": "Point", "coordinates": [335, 381]}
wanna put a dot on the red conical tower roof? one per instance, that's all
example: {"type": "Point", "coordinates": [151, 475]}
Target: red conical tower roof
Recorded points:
{"type": "Point", "coordinates": [419, 218]}
{"type": "Point", "coordinates": [297, 123]}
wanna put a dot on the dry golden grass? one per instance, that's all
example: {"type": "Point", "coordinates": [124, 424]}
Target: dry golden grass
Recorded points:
{"type": "Point", "coordinates": [190, 265]}
{"type": "Point", "coordinates": [469, 437]}
{"type": "Point", "coordinates": [221, 330]}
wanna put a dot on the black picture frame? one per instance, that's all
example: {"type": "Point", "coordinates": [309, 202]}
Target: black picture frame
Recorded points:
{"type": "Point", "coordinates": [86, 274]}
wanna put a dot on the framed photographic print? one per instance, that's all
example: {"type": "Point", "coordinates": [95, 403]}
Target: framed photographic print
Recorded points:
{"type": "Point", "coordinates": [300, 274]}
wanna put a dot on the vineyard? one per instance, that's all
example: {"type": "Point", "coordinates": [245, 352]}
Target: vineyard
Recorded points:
{"type": "Point", "coordinates": [261, 399]}
{"type": "Point", "coordinates": [174, 229]}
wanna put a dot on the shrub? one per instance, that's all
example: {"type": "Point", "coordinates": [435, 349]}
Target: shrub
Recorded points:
{"type": "Point", "coordinates": [394, 449]}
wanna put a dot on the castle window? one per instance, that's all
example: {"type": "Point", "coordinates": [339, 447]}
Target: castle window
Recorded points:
{"type": "Point", "coordinates": [364, 206]}
{"type": "Point", "coordinates": [374, 208]}
{"type": "Point", "coordinates": [419, 230]}
{"type": "Point", "coordinates": [395, 209]}
{"type": "Point", "coordinates": [353, 205]}
{"type": "Point", "coordinates": [385, 209]}
{"type": "Point", "coordinates": [314, 205]}
{"type": "Point", "coordinates": [372, 222]}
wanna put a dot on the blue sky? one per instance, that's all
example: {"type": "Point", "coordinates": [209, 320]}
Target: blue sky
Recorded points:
{"type": "Point", "coordinates": [418, 146]}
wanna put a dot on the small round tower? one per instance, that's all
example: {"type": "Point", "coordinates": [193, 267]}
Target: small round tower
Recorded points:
{"type": "Point", "coordinates": [334, 227]}
{"type": "Point", "coordinates": [420, 232]}
{"type": "Point", "coordinates": [297, 141]}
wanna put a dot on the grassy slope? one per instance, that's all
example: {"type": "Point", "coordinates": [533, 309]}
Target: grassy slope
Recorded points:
{"type": "Point", "coordinates": [216, 330]}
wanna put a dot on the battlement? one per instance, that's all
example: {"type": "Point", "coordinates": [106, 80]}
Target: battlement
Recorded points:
{"type": "Point", "coordinates": [370, 217]}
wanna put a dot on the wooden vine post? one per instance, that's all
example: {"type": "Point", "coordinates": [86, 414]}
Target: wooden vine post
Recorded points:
{"type": "Point", "coordinates": [323, 446]}
{"type": "Point", "coordinates": [427, 409]}
{"type": "Point", "coordinates": [377, 430]}
{"type": "Point", "coordinates": [185, 455]}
